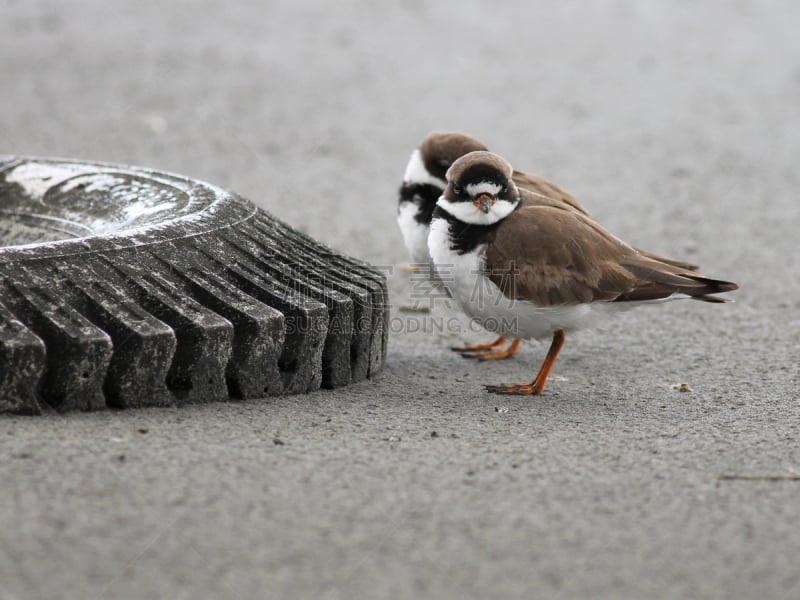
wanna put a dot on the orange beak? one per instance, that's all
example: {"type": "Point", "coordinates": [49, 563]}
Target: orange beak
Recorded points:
{"type": "Point", "coordinates": [484, 202]}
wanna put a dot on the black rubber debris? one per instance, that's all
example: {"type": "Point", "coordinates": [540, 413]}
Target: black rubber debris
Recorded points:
{"type": "Point", "coordinates": [124, 287]}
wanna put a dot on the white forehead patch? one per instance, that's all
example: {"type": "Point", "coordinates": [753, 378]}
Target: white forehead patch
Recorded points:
{"type": "Point", "coordinates": [417, 173]}
{"type": "Point", "coordinates": [484, 187]}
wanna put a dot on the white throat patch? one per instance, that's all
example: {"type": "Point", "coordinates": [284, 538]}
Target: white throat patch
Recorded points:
{"type": "Point", "coordinates": [467, 212]}
{"type": "Point", "coordinates": [417, 173]}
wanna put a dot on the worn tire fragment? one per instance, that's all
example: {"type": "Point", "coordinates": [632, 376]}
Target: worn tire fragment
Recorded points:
{"type": "Point", "coordinates": [123, 286]}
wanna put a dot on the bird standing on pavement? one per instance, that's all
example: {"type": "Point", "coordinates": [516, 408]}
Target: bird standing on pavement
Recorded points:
{"type": "Point", "coordinates": [532, 269]}
{"type": "Point", "coordinates": [423, 183]}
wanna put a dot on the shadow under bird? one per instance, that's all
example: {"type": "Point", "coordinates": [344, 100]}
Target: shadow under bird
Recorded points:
{"type": "Point", "coordinates": [531, 268]}
{"type": "Point", "coordinates": [425, 180]}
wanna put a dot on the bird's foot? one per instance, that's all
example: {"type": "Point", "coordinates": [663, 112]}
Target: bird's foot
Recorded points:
{"type": "Point", "coordinates": [501, 354]}
{"type": "Point", "coordinates": [522, 389]}
{"type": "Point", "coordinates": [489, 352]}
{"type": "Point", "coordinates": [486, 355]}
{"type": "Point", "coordinates": [469, 349]}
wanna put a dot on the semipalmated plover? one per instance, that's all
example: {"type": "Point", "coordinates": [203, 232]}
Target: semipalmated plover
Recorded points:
{"type": "Point", "coordinates": [533, 270]}
{"type": "Point", "coordinates": [423, 183]}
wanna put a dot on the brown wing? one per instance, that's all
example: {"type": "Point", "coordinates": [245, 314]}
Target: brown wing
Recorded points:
{"type": "Point", "coordinates": [553, 256]}
{"type": "Point", "coordinates": [546, 193]}
{"type": "Point", "coordinates": [681, 264]}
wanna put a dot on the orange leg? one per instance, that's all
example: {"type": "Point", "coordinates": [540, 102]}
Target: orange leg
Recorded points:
{"type": "Point", "coordinates": [480, 347]}
{"type": "Point", "coordinates": [498, 354]}
{"type": "Point", "coordinates": [535, 387]}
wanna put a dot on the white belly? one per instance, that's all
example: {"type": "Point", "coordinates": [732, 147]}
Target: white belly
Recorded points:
{"type": "Point", "coordinates": [482, 300]}
{"type": "Point", "coordinates": [415, 234]}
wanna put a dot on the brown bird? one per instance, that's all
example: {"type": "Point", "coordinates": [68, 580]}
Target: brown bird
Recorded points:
{"type": "Point", "coordinates": [423, 183]}
{"type": "Point", "coordinates": [535, 268]}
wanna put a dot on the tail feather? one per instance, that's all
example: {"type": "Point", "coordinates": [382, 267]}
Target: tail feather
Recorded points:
{"type": "Point", "coordinates": [716, 299]}
{"type": "Point", "coordinates": [715, 286]}
{"type": "Point", "coordinates": [660, 280]}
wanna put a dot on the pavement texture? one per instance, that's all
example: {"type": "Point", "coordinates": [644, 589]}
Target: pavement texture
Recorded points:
{"type": "Point", "coordinates": [676, 124]}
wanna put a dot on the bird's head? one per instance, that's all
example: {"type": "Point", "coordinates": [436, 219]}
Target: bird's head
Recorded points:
{"type": "Point", "coordinates": [434, 156]}
{"type": "Point", "coordinates": [479, 189]}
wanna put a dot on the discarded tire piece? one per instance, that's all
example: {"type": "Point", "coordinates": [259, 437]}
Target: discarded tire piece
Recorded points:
{"type": "Point", "coordinates": [122, 286]}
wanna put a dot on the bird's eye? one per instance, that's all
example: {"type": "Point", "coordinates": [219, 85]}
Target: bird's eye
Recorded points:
{"type": "Point", "coordinates": [457, 189]}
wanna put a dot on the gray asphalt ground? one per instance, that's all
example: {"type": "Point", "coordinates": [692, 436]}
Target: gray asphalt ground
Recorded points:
{"type": "Point", "coordinates": [676, 123]}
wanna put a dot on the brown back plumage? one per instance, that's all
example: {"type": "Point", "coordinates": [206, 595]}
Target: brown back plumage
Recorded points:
{"type": "Point", "coordinates": [541, 190]}
{"type": "Point", "coordinates": [439, 150]}
{"type": "Point", "coordinates": [553, 256]}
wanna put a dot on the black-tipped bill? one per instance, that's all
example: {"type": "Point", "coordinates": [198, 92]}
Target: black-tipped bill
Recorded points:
{"type": "Point", "coordinates": [484, 202]}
